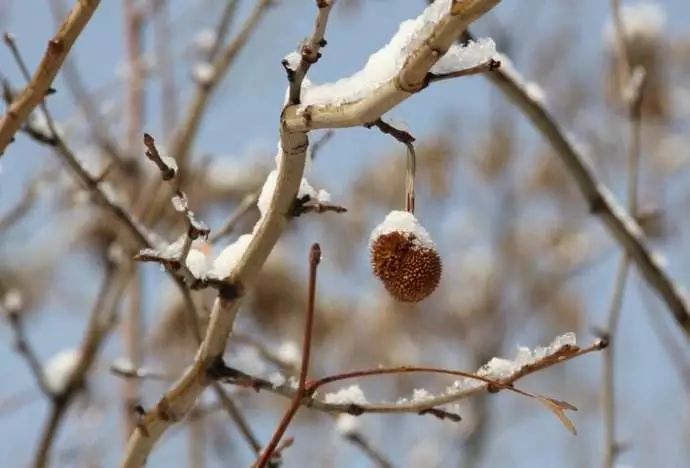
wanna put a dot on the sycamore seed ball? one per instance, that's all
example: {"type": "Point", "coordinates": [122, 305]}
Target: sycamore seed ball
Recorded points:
{"type": "Point", "coordinates": [404, 257]}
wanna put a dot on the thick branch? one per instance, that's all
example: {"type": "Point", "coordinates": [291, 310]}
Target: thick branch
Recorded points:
{"type": "Point", "coordinates": [411, 78]}
{"type": "Point", "coordinates": [294, 142]}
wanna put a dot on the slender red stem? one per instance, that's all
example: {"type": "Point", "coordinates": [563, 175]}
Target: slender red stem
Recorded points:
{"type": "Point", "coordinates": [314, 259]}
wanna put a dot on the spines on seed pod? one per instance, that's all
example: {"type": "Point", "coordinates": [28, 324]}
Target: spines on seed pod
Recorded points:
{"type": "Point", "coordinates": [404, 257]}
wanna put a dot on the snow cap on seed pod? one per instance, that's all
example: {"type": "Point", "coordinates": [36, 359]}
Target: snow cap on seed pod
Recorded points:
{"type": "Point", "coordinates": [404, 257]}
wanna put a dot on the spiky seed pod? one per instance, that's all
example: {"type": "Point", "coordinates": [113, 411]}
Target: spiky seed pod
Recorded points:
{"type": "Point", "coordinates": [404, 257]}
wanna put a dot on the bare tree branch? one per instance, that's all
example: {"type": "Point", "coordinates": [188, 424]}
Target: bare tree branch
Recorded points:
{"type": "Point", "coordinates": [564, 354]}
{"type": "Point", "coordinates": [622, 227]}
{"type": "Point", "coordinates": [101, 321]}
{"type": "Point", "coordinates": [294, 142]}
{"type": "Point", "coordinates": [57, 50]}
{"type": "Point", "coordinates": [301, 392]}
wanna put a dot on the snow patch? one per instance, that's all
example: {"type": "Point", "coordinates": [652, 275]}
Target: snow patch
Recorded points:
{"type": "Point", "coordinates": [348, 395]}
{"type": "Point", "coordinates": [346, 424]}
{"type": "Point", "coordinates": [405, 222]}
{"type": "Point", "coordinates": [383, 65]}
{"type": "Point", "coordinates": [229, 257]}
{"type": "Point", "coordinates": [59, 369]}
{"type": "Point", "coordinates": [461, 57]}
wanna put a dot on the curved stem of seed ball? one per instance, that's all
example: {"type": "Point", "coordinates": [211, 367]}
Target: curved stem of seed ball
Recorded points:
{"type": "Point", "coordinates": [407, 139]}
{"type": "Point", "coordinates": [409, 177]}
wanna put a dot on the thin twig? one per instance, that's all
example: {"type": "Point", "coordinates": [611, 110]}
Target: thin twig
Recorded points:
{"type": "Point", "coordinates": [492, 385]}
{"type": "Point", "coordinates": [195, 229]}
{"type": "Point", "coordinates": [24, 348]}
{"type": "Point", "coordinates": [132, 343]}
{"type": "Point", "coordinates": [237, 417]}
{"type": "Point", "coordinates": [406, 139]}
{"type": "Point", "coordinates": [222, 29]}
{"type": "Point", "coordinates": [267, 454]}
{"type": "Point", "coordinates": [560, 356]}
{"type": "Point", "coordinates": [309, 51]}
{"type": "Point", "coordinates": [85, 100]}
{"type": "Point", "coordinates": [36, 90]}
{"type": "Point", "coordinates": [134, 31]}
{"type": "Point", "coordinates": [361, 442]}
{"type": "Point", "coordinates": [608, 381]}
{"type": "Point", "coordinates": [247, 203]}
{"type": "Point", "coordinates": [48, 434]}
{"type": "Point", "coordinates": [677, 355]}
{"type": "Point", "coordinates": [622, 227]}
{"type": "Point", "coordinates": [168, 167]}
{"type": "Point", "coordinates": [134, 227]}
{"type": "Point", "coordinates": [306, 205]}
{"type": "Point", "coordinates": [319, 144]}
{"type": "Point", "coordinates": [18, 211]}
{"type": "Point", "coordinates": [624, 70]}
{"type": "Point", "coordinates": [185, 135]}
{"type": "Point", "coordinates": [190, 125]}
{"type": "Point", "coordinates": [357, 438]}
{"type": "Point", "coordinates": [101, 321]}
{"type": "Point", "coordinates": [130, 372]}
{"type": "Point", "coordinates": [166, 71]}
{"type": "Point", "coordinates": [486, 66]}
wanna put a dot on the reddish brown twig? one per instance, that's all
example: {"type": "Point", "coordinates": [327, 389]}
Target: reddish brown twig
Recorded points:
{"type": "Point", "coordinates": [267, 454]}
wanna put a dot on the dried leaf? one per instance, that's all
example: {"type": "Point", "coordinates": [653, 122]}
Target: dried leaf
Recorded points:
{"type": "Point", "coordinates": [558, 408]}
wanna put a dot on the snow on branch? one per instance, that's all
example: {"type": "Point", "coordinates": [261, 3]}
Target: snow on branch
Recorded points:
{"type": "Point", "coordinates": [391, 74]}
{"type": "Point", "coordinates": [416, 48]}
{"type": "Point", "coordinates": [496, 375]}
{"type": "Point", "coordinates": [462, 56]}
{"type": "Point", "coordinates": [385, 64]}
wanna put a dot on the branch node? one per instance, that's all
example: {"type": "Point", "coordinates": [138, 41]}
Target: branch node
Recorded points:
{"type": "Point", "coordinates": [165, 411]}
{"type": "Point", "coordinates": [441, 414]}
{"type": "Point", "coordinates": [139, 414]}
{"type": "Point", "coordinates": [354, 409]}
